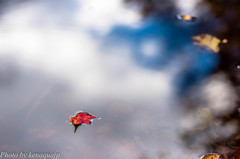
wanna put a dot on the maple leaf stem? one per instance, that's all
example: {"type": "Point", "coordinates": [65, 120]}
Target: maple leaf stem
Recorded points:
{"type": "Point", "coordinates": [76, 126]}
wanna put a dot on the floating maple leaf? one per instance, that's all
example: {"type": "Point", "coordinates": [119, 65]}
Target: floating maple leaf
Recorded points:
{"type": "Point", "coordinates": [208, 41]}
{"type": "Point", "coordinates": [211, 156]}
{"type": "Point", "coordinates": [81, 118]}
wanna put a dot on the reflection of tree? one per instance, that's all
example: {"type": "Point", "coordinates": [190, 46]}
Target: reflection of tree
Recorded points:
{"type": "Point", "coordinates": [149, 7]}
{"type": "Point", "coordinates": [222, 20]}
{"type": "Point", "coordinates": [228, 13]}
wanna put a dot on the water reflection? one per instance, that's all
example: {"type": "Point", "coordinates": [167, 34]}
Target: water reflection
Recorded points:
{"type": "Point", "coordinates": [8, 71]}
{"type": "Point", "coordinates": [158, 95]}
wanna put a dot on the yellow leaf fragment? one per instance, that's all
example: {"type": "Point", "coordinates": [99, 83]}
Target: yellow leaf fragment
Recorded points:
{"type": "Point", "coordinates": [207, 41]}
{"type": "Point", "coordinates": [211, 156]}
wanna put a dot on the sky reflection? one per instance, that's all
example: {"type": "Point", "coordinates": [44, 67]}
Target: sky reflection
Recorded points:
{"type": "Point", "coordinates": [58, 58]}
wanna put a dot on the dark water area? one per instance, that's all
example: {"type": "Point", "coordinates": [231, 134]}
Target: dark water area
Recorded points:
{"type": "Point", "coordinates": [159, 93]}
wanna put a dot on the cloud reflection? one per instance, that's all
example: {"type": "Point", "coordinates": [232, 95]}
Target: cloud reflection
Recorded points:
{"type": "Point", "coordinates": [122, 69]}
{"type": "Point", "coordinates": [63, 69]}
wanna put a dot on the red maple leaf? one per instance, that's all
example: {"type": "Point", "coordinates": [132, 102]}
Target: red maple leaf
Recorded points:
{"type": "Point", "coordinates": [81, 118]}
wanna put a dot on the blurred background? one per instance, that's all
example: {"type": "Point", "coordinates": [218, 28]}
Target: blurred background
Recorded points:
{"type": "Point", "coordinates": [134, 63]}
